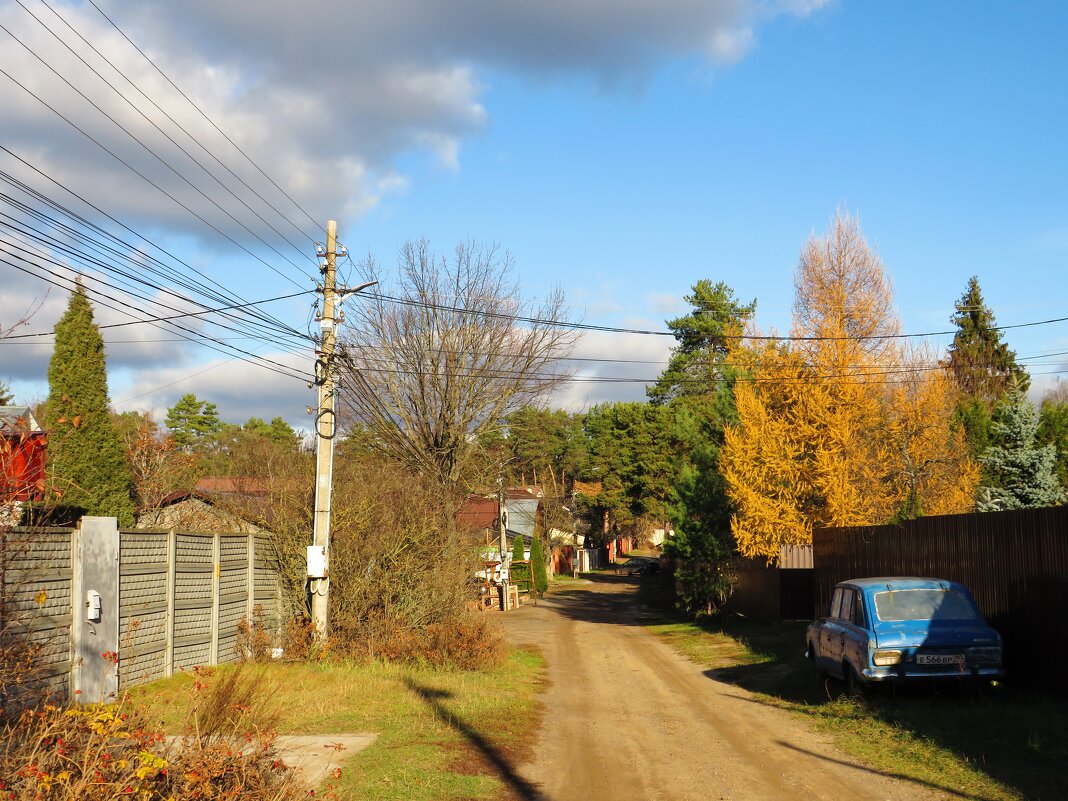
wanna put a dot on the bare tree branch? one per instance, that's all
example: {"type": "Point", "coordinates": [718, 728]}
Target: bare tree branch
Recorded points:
{"type": "Point", "coordinates": [436, 359]}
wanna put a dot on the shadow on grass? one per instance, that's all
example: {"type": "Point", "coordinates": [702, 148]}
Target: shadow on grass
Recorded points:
{"type": "Point", "coordinates": [522, 789]}
{"type": "Point", "coordinates": [1018, 739]}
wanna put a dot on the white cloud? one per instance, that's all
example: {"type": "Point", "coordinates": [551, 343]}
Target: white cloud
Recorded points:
{"type": "Point", "coordinates": [640, 357]}
{"type": "Point", "coordinates": [324, 94]}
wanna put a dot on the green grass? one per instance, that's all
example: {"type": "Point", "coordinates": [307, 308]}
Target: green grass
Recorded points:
{"type": "Point", "coordinates": [441, 734]}
{"type": "Point", "coordinates": [1004, 745]}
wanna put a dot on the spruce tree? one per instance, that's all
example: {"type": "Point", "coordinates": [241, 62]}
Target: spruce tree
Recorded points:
{"type": "Point", "coordinates": [1022, 472]}
{"type": "Point", "coordinates": [984, 367]}
{"type": "Point", "coordinates": [1053, 430]}
{"type": "Point", "coordinates": [87, 468]}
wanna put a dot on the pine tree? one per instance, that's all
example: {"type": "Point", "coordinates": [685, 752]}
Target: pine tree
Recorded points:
{"type": "Point", "coordinates": [984, 366]}
{"type": "Point", "coordinates": [704, 338]}
{"type": "Point", "coordinates": [6, 396]}
{"type": "Point", "coordinates": [1022, 471]}
{"type": "Point", "coordinates": [192, 420]}
{"type": "Point", "coordinates": [86, 464]}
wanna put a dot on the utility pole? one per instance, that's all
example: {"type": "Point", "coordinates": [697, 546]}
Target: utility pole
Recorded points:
{"type": "Point", "coordinates": [326, 426]}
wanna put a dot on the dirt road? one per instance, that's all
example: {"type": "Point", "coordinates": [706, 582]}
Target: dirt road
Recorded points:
{"type": "Point", "coordinates": [628, 718]}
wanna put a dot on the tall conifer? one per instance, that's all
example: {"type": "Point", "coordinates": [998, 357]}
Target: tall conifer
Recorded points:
{"type": "Point", "coordinates": [86, 467]}
{"type": "Point", "coordinates": [984, 367]}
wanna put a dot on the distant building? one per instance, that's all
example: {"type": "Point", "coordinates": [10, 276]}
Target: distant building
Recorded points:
{"type": "Point", "coordinates": [23, 447]}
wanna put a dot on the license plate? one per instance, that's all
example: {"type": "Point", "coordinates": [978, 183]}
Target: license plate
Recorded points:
{"type": "Point", "coordinates": [939, 659]}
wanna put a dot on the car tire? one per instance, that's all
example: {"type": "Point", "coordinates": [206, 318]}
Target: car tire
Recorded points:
{"type": "Point", "coordinates": [854, 687]}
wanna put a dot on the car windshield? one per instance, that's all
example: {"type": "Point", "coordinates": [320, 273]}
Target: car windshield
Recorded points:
{"type": "Point", "coordinates": [897, 605]}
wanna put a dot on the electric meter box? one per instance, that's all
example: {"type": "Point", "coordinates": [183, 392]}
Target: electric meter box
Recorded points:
{"type": "Point", "coordinates": [316, 561]}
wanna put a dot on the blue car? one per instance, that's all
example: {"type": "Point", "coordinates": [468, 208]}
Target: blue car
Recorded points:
{"type": "Point", "coordinates": [903, 629]}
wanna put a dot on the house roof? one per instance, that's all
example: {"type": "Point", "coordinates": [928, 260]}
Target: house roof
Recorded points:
{"type": "Point", "coordinates": [232, 486]}
{"type": "Point", "coordinates": [17, 418]}
{"type": "Point", "coordinates": [477, 513]}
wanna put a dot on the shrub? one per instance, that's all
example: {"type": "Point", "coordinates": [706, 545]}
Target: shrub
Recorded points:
{"type": "Point", "coordinates": [108, 751]}
{"type": "Point", "coordinates": [537, 566]}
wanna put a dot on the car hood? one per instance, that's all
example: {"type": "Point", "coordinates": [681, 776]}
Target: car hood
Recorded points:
{"type": "Point", "coordinates": [914, 633]}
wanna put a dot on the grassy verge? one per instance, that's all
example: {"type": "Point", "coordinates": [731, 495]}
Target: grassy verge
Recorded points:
{"type": "Point", "coordinates": [1001, 746]}
{"type": "Point", "coordinates": [441, 734]}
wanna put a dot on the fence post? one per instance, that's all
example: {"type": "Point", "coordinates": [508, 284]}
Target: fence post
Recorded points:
{"type": "Point", "coordinates": [95, 602]}
{"type": "Point", "coordinates": [216, 572]}
{"type": "Point", "coordinates": [172, 580]}
{"type": "Point", "coordinates": [251, 580]}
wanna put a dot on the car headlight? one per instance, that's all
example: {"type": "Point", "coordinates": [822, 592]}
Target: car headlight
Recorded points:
{"type": "Point", "coordinates": [884, 658]}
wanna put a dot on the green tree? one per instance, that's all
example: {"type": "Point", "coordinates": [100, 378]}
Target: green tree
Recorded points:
{"type": "Point", "coordinates": [1022, 471]}
{"type": "Point", "coordinates": [983, 365]}
{"type": "Point", "coordinates": [519, 551]}
{"type": "Point", "coordinates": [192, 421]}
{"type": "Point", "coordinates": [6, 396]}
{"type": "Point", "coordinates": [277, 431]}
{"type": "Point", "coordinates": [537, 565]}
{"type": "Point", "coordinates": [1053, 429]}
{"type": "Point", "coordinates": [698, 386]}
{"type": "Point", "coordinates": [704, 337]}
{"type": "Point", "coordinates": [630, 454]}
{"type": "Point", "coordinates": [86, 463]}
{"type": "Point", "coordinates": [702, 545]}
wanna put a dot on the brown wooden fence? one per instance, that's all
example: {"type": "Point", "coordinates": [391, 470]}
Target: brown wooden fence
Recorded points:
{"type": "Point", "coordinates": [1015, 563]}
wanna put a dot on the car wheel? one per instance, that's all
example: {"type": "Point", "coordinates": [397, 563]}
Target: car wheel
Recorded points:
{"type": "Point", "coordinates": [853, 685]}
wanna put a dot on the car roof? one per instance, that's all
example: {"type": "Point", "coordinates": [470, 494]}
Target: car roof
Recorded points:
{"type": "Point", "coordinates": [900, 583]}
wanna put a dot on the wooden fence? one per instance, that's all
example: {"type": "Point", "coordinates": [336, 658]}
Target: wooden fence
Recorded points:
{"type": "Point", "coordinates": [1015, 563]}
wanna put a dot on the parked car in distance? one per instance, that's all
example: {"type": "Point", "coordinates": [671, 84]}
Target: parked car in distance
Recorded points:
{"type": "Point", "coordinates": [903, 629]}
{"type": "Point", "coordinates": [639, 566]}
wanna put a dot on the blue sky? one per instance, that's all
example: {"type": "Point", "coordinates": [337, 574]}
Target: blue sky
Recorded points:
{"type": "Point", "coordinates": [624, 169]}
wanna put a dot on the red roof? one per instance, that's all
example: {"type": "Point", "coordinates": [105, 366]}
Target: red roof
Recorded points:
{"type": "Point", "coordinates": [477, 513]}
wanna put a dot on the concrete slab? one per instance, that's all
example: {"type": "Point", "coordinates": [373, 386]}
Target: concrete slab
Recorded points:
{"type": "Point", "coordinates": [317, 755]}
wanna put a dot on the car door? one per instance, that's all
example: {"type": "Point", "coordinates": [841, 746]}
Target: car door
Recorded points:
{"type": "Point", "coordinates": [830, 633]}
{"type": "Point", "coordinates": [855, 631]}
{"type": "Point", "coordinates": [838, 630]}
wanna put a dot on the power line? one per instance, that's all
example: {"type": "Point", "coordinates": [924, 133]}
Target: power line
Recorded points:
{"type": "Point", "coordinates": [140, 174]}
{"type": "Point", "coordinates": [175, 122]}
{"type": "Point", "coordinates": [151, 122]}
{"type": "Point", "coordinates": [204, 114]}
{"type": "Point", "coordinates": [203, 341]}
{"type": "Point", "coordinates": [126, 278]}
{"type": "Point", "coordinates": [167, 271]}
{"type": "Point", "coordinates": [615, 330]}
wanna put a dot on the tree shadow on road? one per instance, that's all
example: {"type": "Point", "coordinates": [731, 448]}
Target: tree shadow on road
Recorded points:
{"type": "Point", "coordinates": [505, 770]}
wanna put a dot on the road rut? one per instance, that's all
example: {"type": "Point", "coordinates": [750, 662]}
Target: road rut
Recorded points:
{"type": "Point", "coordinates": [629, 719]}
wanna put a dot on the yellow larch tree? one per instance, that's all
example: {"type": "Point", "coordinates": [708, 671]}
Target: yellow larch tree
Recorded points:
{"type": "Point", "coordinates": [824, 438]}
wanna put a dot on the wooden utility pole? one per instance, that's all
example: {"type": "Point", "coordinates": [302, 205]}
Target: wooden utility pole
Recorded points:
{"type": "Point", "coordinates": [325, 428]}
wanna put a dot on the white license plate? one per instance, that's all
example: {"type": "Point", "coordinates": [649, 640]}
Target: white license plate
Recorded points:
{"type": "Point", "coordinates": [939, 659]}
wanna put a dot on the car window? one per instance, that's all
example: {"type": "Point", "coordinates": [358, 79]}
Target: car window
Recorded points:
{"type": "Point", "coordinates": [924, 604]}
{"type": "Point", "coordinates": [836, 601]}
{"type": "Point", "coordinates": [846, 612]}
{"type": "Point", "coordinates": [858, 610]}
